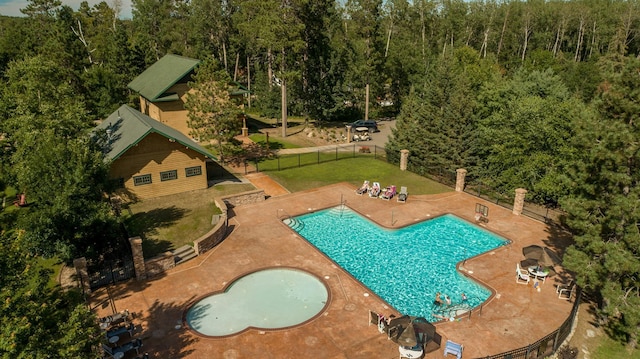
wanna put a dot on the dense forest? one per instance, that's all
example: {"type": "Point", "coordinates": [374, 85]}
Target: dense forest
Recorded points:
{"type": "Point", "coordinates": [543, 95]}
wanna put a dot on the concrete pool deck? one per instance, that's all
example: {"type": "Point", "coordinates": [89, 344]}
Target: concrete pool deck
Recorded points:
{"type": "Point", "coordinates": [517, 315]}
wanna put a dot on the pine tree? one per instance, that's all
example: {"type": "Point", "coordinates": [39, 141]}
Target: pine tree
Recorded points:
{"type": "Point", "coordinates": [213, 114]}
{"type": "Point", "coordinates": [603, 209]}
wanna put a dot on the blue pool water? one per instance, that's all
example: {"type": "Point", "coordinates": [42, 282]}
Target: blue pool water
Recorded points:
{"type": "Point", "coordinates": [406, 267]}
{"type": "Point", "coordinates": [267, 299]}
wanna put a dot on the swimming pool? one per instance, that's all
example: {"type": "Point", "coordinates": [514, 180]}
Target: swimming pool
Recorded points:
{"type": "Point", "coordinates": [406, 267]}
{"type": "Point", "coordinates": [272, 298]}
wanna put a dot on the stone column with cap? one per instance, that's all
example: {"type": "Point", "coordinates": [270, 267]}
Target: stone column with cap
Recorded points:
{"type": "Point", "coordinates": [245, 129]}
{"type": "Point", "coordinates": [461, 173]}
{"type": "Point", "coordinates": [404, 159]}
{"type": "Point", "coordinates": [518, 202]}
{"type": "Point", "coordinates": [138, 258]}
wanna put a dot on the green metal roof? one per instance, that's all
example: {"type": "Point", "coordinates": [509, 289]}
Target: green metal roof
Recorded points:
{"type": "Point", "coordinates": [159, 77]}
{"type": "Point", "coordinates": [127, 126]}
{"type": "Point", "coordinates": [237, 89]}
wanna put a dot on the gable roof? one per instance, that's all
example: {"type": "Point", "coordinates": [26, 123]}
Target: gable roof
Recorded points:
{"type": "Point", "coordinates": [237, 89]}
{"type": "Point", "coordinates": [153, 82]}
{"type": "Point", "coordinates": [127, 126]}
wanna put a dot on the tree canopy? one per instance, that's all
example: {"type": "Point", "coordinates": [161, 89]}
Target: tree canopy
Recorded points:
{"type": "Point", "coordinates": [213, 113]}
{"type": "Point", "coordinates": [603, 205]}
{"type": "Point", "coordinates": [540, 95]}
{"type": "Point", "coordinates": [36, 321]}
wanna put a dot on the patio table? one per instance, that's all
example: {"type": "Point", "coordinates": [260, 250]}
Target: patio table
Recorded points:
{"type": "Point", "coordinates": [539, 274]}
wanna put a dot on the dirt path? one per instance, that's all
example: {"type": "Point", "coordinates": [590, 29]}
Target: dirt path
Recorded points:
{"type": "Point", "coordinates": [586, 334]}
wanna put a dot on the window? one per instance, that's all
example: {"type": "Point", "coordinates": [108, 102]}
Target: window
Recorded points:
{"type": "Point", "coordinates": [193, 171]}
{"type": "Point", "coordinates": [168, 175]}
{"type": "Point", "coordinates": [141, 180]}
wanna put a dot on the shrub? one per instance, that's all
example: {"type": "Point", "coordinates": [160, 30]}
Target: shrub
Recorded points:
{"type": "Point", "coordinates": [567, 352]}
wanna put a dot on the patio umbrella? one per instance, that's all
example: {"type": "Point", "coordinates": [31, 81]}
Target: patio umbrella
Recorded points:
{"type": "Point", "coordinates": [529, 262]}
{"type": "Point", "coordinates": [545, 256]}
{"type": "Point", "coordinates": [409, 331]}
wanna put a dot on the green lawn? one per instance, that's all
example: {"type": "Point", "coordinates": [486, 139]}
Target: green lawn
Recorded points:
{"type": "Point", "coordinates": [608, 348]}
{"type": "Point", "coordinates": [306, 159]}
{"type": "Point", "coordinates": [170, 222]}
{"type": "Point", "coordinates": [355, 171]}
{"type": "Point", "coordinates": [52, 264]}
{"type": "Point", "coordinates": [274, 144]}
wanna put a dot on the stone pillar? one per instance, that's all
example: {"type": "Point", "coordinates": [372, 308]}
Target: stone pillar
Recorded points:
{"type": "Point", "coordinates": [245, 129]}
{"type": "Point", "coordinates": [461, 173]}
{"type": "Point", "coordinates": [80, 264]}
{"type": "Point", "coordinates": [138, 258]}
{"type": "Point", "coordinates": [518, 202]}
{"type": "Point", "coordinates": [349, 134]}
{"type": "Point", "coordinates": [404, 159]}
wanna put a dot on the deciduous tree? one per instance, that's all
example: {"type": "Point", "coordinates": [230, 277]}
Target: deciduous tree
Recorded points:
{"type": "Point", "coordinates": [36, 321]}
{"type": "Point", "coordinates": [526, 127]}
{"type": "Point", "coordinates": [52, 161]}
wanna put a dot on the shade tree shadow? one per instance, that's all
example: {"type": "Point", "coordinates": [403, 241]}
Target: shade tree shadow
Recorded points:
{"type": "Point", "coordinates": [146, 225]}
{"type": "Point", "coordinates": [559, 238]}
{"type": "Point", "coordinates": [255, 125]}
{"type": "Point", "coordinates": [170, 338]}
{"type": "Point", "coordinates": [218, 174]}
{"type": "Point", "coordinates": [159, 327]}
{"type": "Point", "coordinates": [271, 145]}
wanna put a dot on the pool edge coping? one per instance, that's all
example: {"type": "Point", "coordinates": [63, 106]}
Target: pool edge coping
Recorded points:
{"type": "Point", "coordinates": [459, 264]}
{"type": "Point", "coordinates": [224, 289]}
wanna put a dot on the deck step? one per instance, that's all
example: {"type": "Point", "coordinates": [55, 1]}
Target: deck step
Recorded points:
{"type": "Point", "coordinates": [184, 254]}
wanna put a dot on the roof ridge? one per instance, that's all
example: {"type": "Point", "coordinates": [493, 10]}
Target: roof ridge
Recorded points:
{"type": "Point", "coordinates": [138, 115]}
{"type": "Point", "coordinates": [156, 79]}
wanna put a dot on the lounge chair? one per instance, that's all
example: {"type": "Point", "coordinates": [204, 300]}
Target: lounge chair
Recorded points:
{"type": "Point", "coordinates": [482, 213]}
{"type": "Point", "coordinates": [111, 320]}
{"type": "Point", "coordinates": [135, 344]}
{"type": "Point", "coordinates": [119, 330]}
{"type": "Point", "coordinates": [402, 196]}
{"type": "Point", "coordinates": [374, 192]}
{"type": "Point", "coordinates": [453, 348]}
{"type": "Point", "coordinates": [414, 352]}
{"type": "Point", "coordinates": [363, 189]}
{"type": "Point", "coordinates": [566, 291]}
{"type": "Point", "coordinates": [522, 276]}
{"type": "Point", "coordinates": [389, 193]}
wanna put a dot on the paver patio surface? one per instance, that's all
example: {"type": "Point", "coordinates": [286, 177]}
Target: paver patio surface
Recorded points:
{"type": "Point", "coordinates": [517, 315]}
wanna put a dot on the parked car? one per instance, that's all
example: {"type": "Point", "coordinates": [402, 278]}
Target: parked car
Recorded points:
{"type": "Point", "coordinates": [370, 124]}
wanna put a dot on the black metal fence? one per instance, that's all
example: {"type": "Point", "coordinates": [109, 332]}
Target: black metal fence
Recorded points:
{"type": "Point", "coordinates": [541, 348]}
{"type": "Point", "coordinates": [314, 157]}
{"type": "Point", "coordinates": [109, 272]}
{"type": "Point", "coordinates": [548, 344]}
{"type": "Point", "coordinates": [445, 176]}
{"type": "Point", "coordinates": [115, 264]}
{"type": "Point", "coordinates": [532, 210]}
